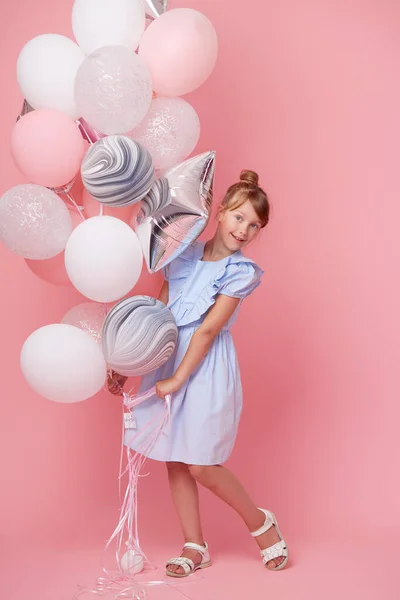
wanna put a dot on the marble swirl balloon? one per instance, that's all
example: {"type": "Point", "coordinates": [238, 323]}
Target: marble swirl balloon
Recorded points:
{"type": "Point", "coordinates": [117, 171]}
{"type": "Point", "coordinates": [139, 335]}
{"type": "Point", "coordinates": [176, 210]}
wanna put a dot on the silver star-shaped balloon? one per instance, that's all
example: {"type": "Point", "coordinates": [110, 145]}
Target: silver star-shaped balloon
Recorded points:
{"type": "Point", "coordinates": [155, 8]}
{"type": "Point", "coordinates": [176, 210]}
{"type": "Point", "coordinates": [26, 108]}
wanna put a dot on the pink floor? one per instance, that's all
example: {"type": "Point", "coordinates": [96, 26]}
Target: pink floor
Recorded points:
{"type": "Point", "coordinates": [362, 569]}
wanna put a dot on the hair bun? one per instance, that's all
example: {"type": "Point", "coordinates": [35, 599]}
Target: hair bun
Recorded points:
{"type": "Point", "coordinates": [249, 177]}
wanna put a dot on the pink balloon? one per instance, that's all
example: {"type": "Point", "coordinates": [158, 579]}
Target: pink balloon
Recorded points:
{"type": "Point", "coordinates": [52, 270]}
{"type": "Point", "coordinates": [47, 147]}
{"type": "Point", "coordinates": [92, 208]}
{"type": "Point", "coordinates": [180, 48]}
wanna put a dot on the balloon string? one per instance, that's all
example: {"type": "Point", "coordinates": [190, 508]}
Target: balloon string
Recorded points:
{"type": "Point", "coordinates": [124, 582]}
{"type": "Point", "coordinates": [78, 208]}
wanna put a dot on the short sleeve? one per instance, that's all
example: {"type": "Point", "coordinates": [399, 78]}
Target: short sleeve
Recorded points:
{"type": "Point", "coordinates": [241, 279]}
{"type": "Point", "coordinates": [165, 272]}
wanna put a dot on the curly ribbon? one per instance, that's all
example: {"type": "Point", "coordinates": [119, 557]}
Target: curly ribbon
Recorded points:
{"type": "Point", "coordinates": [122, 582]}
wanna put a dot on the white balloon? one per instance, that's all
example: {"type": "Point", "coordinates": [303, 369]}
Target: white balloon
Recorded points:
{"type": "Point", "coordinates": [46, 71]}
{"type": "Point", "coordinates": [63, 363]}
{"type": "Point", "coordinates": [99, 23]}
{"type": "Point", "coordinates": [103, 258]}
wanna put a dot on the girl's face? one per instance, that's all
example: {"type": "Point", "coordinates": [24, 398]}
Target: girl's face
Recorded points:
{"type": "Point", "coordinates": [239, 227]}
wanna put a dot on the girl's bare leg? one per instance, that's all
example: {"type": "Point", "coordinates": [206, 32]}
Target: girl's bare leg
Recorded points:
{"type": "Point", "coordinates": [185, 496]}
{"type": "Point", "coordinates": [226, 486]}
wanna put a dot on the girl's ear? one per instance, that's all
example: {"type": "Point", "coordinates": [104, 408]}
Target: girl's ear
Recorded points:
{"type": "Point", "coordinates": [220, 214]}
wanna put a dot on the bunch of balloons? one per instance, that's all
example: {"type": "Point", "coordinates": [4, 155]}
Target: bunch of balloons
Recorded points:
{"type": "Point", "coordinates": [107, 108]}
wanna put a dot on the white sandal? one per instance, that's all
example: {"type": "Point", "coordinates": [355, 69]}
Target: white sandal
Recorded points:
{"type": "Point", "coordinates": [278, 549]}
{"type": "Point", "coordinates": [187, 564]}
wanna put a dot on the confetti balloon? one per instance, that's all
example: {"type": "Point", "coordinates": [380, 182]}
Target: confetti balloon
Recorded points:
{"type": "Point", "coordinates": [117, 171]}
{"type": "Point", "coordinates": [139, 335]}
{"type": "Point", "coordinates": [176, 210]}
{"type": "Point", "coordinates": [113, 90]}
{"type": "Point", "coordinates": [88, 316]}
{"type": "Point", "coordinates": [170, 131]}
{"type": "Point", "coordinates": [34, 222]}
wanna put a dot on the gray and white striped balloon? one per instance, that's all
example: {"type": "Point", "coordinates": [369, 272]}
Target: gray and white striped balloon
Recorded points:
{"type": "Point", "coordinates": [139, 335]}
{"type": "Point", "coordinates": [117, 171]}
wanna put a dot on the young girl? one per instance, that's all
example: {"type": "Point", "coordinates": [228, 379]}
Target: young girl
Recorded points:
{"type": "Point", "coordinates": [204, 288]}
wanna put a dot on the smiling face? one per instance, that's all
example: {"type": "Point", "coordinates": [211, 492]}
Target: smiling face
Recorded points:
{"type": "Point", "coordinates": [238, 227]}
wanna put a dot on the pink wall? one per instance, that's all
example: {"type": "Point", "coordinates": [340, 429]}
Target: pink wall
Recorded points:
{"type": "Point", "coordinates": [308, 94]}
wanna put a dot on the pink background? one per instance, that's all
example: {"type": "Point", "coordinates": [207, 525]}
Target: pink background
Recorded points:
{"type": "Point", "coordinates": [307, 94]}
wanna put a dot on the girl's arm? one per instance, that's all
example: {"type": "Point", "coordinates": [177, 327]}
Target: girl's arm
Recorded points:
{"type": "Point", "coordinates": [200, 343]}
{"type": "Point", "coordinates": [164, 292]}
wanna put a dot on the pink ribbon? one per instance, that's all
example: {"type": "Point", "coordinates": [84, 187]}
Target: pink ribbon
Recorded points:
{"type": "Point", "coordinates": [125, 583]}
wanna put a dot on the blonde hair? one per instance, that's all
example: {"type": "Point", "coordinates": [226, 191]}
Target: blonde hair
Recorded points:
{"type": "Point", "coordinates": [247, 188]}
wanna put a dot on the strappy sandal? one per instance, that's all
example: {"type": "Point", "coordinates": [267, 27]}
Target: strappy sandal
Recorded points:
{"type": "Point", "coordinates": [277, 550]}
{"type": "Point", "coordinates": [187, 564]}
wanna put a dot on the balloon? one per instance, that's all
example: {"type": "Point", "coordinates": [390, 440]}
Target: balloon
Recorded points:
{"type": "Point", "coordinates": [113, 89]}
{"type": "Point", "coordinates": [92, 208]}
{"type": "Point", "coordinates": [117, 171]}
{"type": "Point", "coordinates": [155, 8]}
{"type": "Point", "coordinates": [99, 23]}
{"type": "Point", "coordinates": [170, 131]}
{"type": "Point", "coordinates": [62, 363]}
{"type": "Point", "coordinates": [180, 48]}
{"type": "Point", "coordinates": [132, 562]}
{"type": "Point", "coordinates": [46, 71]}
{"type": "Point", "coordinates": [34, 221]}
{"type": "Point", "coordinates": [139, 335]}
{"type": "Point", "coordinates": [88, 316]}
{"type": "Point", "coordinates": [47, 147]}
{"type": "Point", "coordinates": [176, 210]}
{"type": "Point", "coordinates": [103, 259]}
{"type": "Point", "coordinates": [52, 270]}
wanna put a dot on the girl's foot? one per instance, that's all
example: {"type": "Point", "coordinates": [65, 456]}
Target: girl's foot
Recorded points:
{"type": "Point", "coordinates": [193, 557]}
{"type": "Point", "coordinates": [268, 536]}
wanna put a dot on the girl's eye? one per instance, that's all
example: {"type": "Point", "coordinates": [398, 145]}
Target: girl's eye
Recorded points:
{"type": "Point", "coordinates": [238, 218]}
{"type": "Point", "coordinates": [255, 225]}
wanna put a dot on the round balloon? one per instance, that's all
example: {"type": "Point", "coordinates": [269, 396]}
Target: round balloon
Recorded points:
{"type": "Point", "coordinates": [47, 147]}
{"type": "Point", "coordinates": [180, 48]}
{"type": "Point", "coordinates": [170, 131]}
{"type": "Point", "coordinates": [46, 71]}
{"type": "Point", "coordinates": [62, 363]}
{"type": "Point", "coordinates": [113, 90]}
{"type": "Point", "coordinates": [139, 335]}
{"type": "Point", "coordinates": [98, 23]}
{"type": "Point", "coordinates": [34, 221]}
{"type": "Point", "coordinates": [103, 259]}
{"type": "Point", "coordinates": [88, 316]}
{"type": "Point", "coordinates": [117, 171]}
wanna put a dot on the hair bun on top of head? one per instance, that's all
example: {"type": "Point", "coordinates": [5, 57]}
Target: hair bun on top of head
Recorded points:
{"type": "Point", "coordinates": [249, 177]}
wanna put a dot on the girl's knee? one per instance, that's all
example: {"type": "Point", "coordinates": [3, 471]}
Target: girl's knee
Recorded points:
{"type": "Point", "coordinates": [199, 472]}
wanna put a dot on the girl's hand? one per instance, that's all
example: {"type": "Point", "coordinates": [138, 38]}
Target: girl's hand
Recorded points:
{"type": "Point", "coordinates": [115, 383]}
{"type": "Point", "coordinates": [167, 386]}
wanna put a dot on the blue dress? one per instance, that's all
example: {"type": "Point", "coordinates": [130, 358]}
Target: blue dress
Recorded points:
{"type": "Point", "coordinates": [205, 411]}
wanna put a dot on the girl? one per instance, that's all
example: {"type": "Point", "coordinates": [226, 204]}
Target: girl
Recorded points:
{"type": "Point", "coordinates": [204, 288]}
